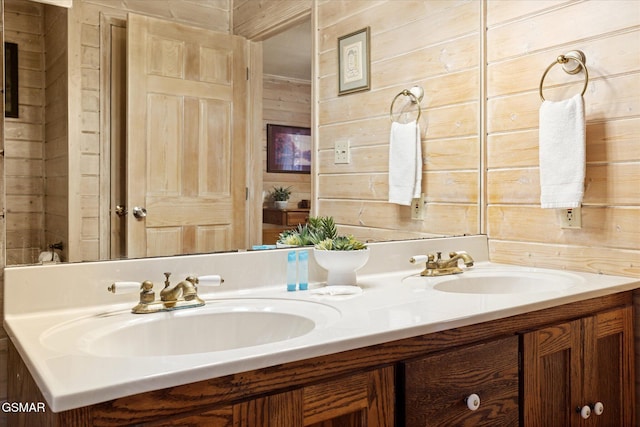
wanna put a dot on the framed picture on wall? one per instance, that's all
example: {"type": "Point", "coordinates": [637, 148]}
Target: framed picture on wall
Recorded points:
{"type": "Point", "coordinates": [353, 62]}
{"type": "Point", "coordinates": [10, 79]}
{"type": "Point", "coordinates": [288, 149]}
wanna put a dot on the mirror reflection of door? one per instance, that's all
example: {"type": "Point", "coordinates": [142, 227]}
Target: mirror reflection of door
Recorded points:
{"type": "Point", "coordinates": [113, 182]}
{"type": "Point", "coordinates": [186, 139]}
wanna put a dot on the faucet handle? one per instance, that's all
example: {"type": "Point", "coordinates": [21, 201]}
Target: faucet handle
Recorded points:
{"type": "Point", "coordinates": [124, 287]}
{"type": "Point", "coordinates": [418, 259]}
{"type": "Point", "coordinates": [210, 280]}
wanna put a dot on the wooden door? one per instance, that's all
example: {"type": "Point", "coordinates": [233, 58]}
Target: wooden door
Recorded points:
{"type": "Point", "coordinates": [186, 139]}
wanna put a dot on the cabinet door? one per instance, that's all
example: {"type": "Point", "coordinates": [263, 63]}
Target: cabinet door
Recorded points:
{"type": "Point", "coordinates": [435, 387]}
{"type": "Point", "coordinates": [365, 399]}
{"type": "Point", "coordinates": [576, 364]}
{"type": "Point", "coordinates": [552, 375]}
{"type": "Point", "coordinates": [608, 367]}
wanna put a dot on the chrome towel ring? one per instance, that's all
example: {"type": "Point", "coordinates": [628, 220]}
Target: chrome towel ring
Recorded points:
{"type": "Point", "coordinates": [575, 55]}
{"type": "Point", "coordinates": [414, 99]}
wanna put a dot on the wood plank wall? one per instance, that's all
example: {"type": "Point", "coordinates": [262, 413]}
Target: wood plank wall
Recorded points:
{"type": "Point", "coordinates": [24, 136]}
{"type": "Point", "coordinates": [285, 102]}
{"type": "Point", "coordinates": [523, 38]}
{"type": "Point", "coordinates": [436, 45]}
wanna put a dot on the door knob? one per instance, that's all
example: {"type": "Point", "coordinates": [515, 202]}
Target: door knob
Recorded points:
{"type": "Point", "coordinates": [139, 212]}
{"type": "Point", "coordinates": [121, 210]}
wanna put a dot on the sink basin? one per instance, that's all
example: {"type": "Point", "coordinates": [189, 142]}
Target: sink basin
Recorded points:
{"type": "Point", "coordinates": [503, 282]}
{"type": "Point", "coordinates": [220, 325]}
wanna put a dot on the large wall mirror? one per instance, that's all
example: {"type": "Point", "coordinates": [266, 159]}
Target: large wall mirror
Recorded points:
{"type": "Point", "coordinates": [71, 164]}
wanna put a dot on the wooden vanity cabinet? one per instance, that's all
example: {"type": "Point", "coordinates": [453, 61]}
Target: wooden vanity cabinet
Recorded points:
{"type": "Point", "coordinates": [577, 363]}
{"type": "Point", "coordinates": [364, 398]}
{"type": "Point", "coordinates": [436, 387]}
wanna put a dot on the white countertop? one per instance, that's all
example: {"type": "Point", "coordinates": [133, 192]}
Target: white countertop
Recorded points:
{"type": "Point", "coordinates": [387, 310]}
{"type": "Point", "coordinates": [392, 306]}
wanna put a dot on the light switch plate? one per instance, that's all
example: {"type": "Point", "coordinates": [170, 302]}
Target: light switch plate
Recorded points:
{"type": "Point", "coordinates": [342, 152]}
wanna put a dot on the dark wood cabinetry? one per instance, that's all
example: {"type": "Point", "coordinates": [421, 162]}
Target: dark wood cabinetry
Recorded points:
{"type": "Point", "coordinates": [275, 221]}
{"type": "Point", "coordinates": [361, 400]}
{"type": "Point", "coordinates": [436, 387]}
{"type": "Point", "coordinates": [580, 363]}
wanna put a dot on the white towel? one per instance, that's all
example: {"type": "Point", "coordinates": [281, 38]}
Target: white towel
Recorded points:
{"type": "Point", "coordinates": [562, 153]}
{"type": "Point", "coordinates": [405, 163]}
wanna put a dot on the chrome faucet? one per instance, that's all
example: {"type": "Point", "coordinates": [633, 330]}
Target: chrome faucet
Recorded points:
{"type": "Point", "coordinates": [182, 295]}
{"type": "Point", "coordinates": [436, 266]}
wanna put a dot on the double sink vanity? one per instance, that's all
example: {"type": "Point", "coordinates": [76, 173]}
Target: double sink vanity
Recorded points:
{"type": "Point", "coordinates": [493, 345]}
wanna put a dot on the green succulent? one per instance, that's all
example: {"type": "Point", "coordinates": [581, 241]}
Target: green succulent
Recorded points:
{"type": "Point", "coordinates": [316, 230]}
{"type": "Point", "coordinates": [341, 243]}
{"type": "Point", "coordinates": [322, 227]}
{"type": "Point", "coordinates": [290, 239]}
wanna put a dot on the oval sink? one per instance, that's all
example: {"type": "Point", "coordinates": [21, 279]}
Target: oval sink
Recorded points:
{"type": "Point", "coordinates": [220, 325]}
{"type": "Point", "coordinates": [503, 282]}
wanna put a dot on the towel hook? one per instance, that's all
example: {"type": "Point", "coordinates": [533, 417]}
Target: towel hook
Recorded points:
{"type": "Point", "coordinates": [415, 93]}
{"type": "Point", "coordinates": [579, 64]}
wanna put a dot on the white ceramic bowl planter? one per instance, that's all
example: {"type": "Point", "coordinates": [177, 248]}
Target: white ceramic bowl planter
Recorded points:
{"type": "Point", "coordinates": [341, 265]}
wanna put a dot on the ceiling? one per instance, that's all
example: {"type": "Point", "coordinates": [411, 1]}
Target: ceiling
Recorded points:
{"type": "Point", "coordinates": [288, 54]}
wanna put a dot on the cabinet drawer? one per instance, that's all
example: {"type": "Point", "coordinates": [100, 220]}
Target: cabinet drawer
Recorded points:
{"type": "Point", "coordinates": [435, 387]}
{"type": "Point", "coordinates": [272, 216]}
{"type": "Point", "coordinates": [295, 218]}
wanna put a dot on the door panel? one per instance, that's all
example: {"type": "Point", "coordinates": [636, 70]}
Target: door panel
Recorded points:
{"type": "Point", "coordinates": [552, 382]}
{"type": "Point", "coordinates": [609, 370]}
{"type": "Point", "coordinates": [187, 138]}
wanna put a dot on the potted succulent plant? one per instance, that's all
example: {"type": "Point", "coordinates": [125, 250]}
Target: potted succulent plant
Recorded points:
{"type": "Point", "coordinates": [280, 196]}
{"type": "Point", "coordinates": [341, 256]}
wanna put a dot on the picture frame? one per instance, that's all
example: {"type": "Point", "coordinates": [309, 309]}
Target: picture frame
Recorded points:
{"type": "Point", "coordinates": [354, 63]}
{"type": "Point", "coordinates": [11, 80]}
{"type": "Point", "coordinates": [288, 149]}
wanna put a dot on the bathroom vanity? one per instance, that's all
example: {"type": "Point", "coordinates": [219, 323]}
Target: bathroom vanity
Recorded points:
{"type": "Point", "coordinates": [406, 350]}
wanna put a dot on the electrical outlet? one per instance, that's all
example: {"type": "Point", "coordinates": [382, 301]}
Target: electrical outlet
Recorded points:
{"type": "Point", "coordinates": [417, 208]}
{"type": "Point", "coordinates": [571, 218]}
{"type": "Point", "coordinates": [342, 152]}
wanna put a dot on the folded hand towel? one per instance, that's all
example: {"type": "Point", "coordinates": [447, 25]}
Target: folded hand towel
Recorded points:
{"type": "Point", "coordinates": [405, 163]}
{"type": "Point", "coordinates": [562, 153]}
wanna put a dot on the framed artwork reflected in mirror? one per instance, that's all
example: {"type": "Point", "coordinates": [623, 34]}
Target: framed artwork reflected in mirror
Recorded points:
{"type": "Point", "coordinates": [10, 79]}
{"type": "Point", "coordinates": [288, 149]}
